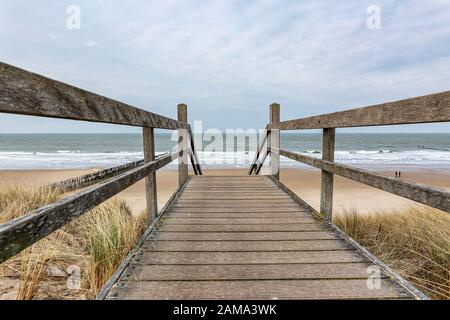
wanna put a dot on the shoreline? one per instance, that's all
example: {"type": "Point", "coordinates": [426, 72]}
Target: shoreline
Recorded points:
{"type": "Point", "coordinates": [348, 195]}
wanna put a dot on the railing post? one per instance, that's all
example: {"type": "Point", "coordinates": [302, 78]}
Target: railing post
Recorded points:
{"type": "Point", "coordinates": [274, 141]}
{"type": "Point", "coordinates": [326, 197]}
{"type": "Point", "coordinates": [182, 144]}
{"type": "Point", "coordinates": [150, 180]}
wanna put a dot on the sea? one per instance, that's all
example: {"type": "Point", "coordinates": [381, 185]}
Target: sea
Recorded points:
{"type": "Point", "coordinates": [79, 151]}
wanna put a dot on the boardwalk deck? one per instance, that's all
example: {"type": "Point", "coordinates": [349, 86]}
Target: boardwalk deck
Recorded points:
{"type": "Point", "coordinates": [246, 238]}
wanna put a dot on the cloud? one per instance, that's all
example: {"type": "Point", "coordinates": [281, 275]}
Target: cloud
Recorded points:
{"type": "Point", "coordinates": [233, 58]}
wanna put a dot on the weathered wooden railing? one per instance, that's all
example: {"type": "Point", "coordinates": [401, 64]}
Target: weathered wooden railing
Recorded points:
{"type": "Point", "coordinates": [26, 93]}
{"type": "Point", "coordinates": [425, 109]}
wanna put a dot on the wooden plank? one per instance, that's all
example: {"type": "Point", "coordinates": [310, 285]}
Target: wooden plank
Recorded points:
{"type": "Point", "coordinates": [257, 290]}
{"type": "Point", "coordinates": [241, 228]}
{"type": "Point", "coordinates": [247, 272]}
{"type": "Point", "coordinates": [237, 203]}
{"type": "Point", "coordinates": [181, 258]}
{"type": "Point", "coordinates": [151, 197]}
{"type": "Point", "coordinates": [26, 93]}
{"type": "Point", "coordinates": [424, 109]}
{"type": "Point", "coordinates": [240, 215]}
{"type": "Point", "coordinates": [432, 197]}
{"type": "Point", "coordinates": [326, 194]}
{"type": "Point", "coordinates": [240, 221]}
{"type": "Point", "coordinates": [243, 236]}
{"type": "Point", "coordinates": [244, 246]}
{"type": "Point", "coordinates": [183, 170]}
{"type": "Point", "coordinates": [254, 163]}
{"type": "Point", "coordinates": [18, 234]}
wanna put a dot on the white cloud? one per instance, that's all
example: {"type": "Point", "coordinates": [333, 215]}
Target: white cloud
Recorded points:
{"type": "Point", "coordinates": [233, 58]}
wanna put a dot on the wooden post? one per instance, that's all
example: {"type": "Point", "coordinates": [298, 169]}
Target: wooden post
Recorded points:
{"type": "Point", "coordinates": [182, 144]}
{"type": "Point", "coordinates": [326, 196]}
{"type": "Point", "coordinates": [274, 141]}
{"type": "Point", "coordinates": [150, 180]}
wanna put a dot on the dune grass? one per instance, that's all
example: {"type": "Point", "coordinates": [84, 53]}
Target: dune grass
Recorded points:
{"type": "Point", "coordinates": [94, 245]}
{"type": "Point", "coordinates": [414, 242]}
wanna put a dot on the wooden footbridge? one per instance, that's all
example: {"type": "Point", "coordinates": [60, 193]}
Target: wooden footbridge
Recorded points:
{"type": "Point", "coordinates": [235, 237]}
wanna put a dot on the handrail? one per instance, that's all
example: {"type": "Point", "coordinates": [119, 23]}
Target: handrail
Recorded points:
{"type": "Point", "coordinates": [18, 234]}
{"type": "Point", "coordinates": [424, 109]}
{"type": "Point", "coordinates": [432, 197]}
{"type": "Point", "coordinates": [26, 93]}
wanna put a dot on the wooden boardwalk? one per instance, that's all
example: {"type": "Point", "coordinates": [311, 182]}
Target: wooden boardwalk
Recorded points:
{"type": "Point", "coordinates": [246, 238]}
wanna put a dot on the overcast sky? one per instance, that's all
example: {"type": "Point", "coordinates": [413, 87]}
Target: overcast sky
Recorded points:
{"type": "Point", "coordinates": [228, 60]}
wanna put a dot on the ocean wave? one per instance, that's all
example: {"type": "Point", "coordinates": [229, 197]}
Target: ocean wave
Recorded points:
{"type": "Point", "coordinates": [63, 159]}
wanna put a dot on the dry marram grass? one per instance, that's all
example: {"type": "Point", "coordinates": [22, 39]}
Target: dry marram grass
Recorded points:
{"type": "Point", "coordinates": [95, 244]}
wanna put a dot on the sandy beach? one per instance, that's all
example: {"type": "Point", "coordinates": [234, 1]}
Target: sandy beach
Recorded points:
{"type": "Point", "coordinates": [349, 195]}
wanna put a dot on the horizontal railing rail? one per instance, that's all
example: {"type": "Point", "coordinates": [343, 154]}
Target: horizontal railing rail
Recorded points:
{"type": "Point", "coordinates": [425, 109]}
{"type": "Point", "coordinates": [18, 234]}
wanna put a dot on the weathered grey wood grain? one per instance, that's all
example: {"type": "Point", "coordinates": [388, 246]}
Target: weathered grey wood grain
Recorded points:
{"type": "Point", "coordinates": [240, 215]}
{"type": "Point", "coordinates": [195, 163]}
{"type": "Point", "coordinates": [26, 93]}
{"type": "Point", "coordinates": [183, 170]}
{"type": "Point", "coordinates": [150, 181]}
{"type": "Point", "coordinates": [242, 228]}
{"type": "Point", "coordinates": [244, 246]}
{"type": "Point", "coordinates": [247, 272]}
{"type": "Point", "coordinates": [326, 194]}
{"type": "Point", "coordinates": [254, 163]}
{"type": "Point", "coordinates": [202, 258]}
{"type": "Point", "coordinates": [433, 197]}
{"type": "Point", "coordinates": [20, 233]}
{"type": "Point", "coordinates": [424, 109]}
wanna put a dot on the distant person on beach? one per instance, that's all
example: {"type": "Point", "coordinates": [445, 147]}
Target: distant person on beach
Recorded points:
{"type": "Point", "coordinates": [396, 174]}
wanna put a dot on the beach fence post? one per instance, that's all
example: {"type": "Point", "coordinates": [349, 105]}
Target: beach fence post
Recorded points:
{"type": "Point", "coordinates": [274, 141]}
{"type": "Point", "coordinates": [150, 180]}
{"type": "Point", "coordinates": [326, 195]}
{"type": "Point", "coordinates": [183, 170]}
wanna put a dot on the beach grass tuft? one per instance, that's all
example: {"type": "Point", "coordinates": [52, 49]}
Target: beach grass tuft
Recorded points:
{"type": "Point", "coordinates": [414, 242]}
{"type": "Point", "coordinates": [92, 246]}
